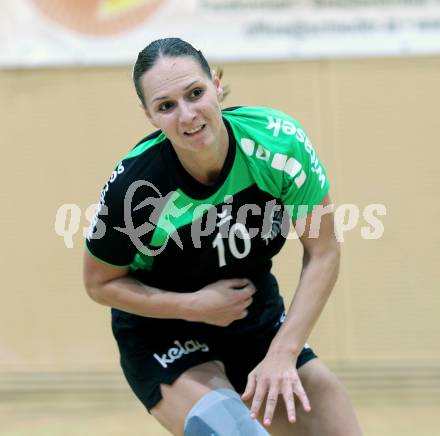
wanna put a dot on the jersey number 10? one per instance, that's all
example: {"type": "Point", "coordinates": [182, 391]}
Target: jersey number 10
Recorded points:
{"type": "Point", "coordinates": [235, 230]}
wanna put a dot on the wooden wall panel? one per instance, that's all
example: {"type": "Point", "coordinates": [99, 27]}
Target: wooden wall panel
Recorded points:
{"type": "Point", "coordinates": [375, 125]}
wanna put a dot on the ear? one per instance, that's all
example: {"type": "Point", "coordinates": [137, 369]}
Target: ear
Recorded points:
{"type": "Point", "coordinates": [217, 84]}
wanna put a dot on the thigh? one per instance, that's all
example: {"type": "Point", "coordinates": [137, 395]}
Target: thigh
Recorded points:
{"type": "Point", "coordinates": [169, 364]}
{"type": "Point", "coordinates": [280, 424]}
{"type": "Point", "coordinates": [155, 353]}
{"type": "Point", "coordinates": [178, 398]}
{"type": "Point", "coordinates": [332, 413]}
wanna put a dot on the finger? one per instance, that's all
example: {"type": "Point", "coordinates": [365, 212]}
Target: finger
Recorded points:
{"type": "Point", "coordinates": [252, 288]}
{"type": "Point", "coordinates": [257, 401]}
{"type": "Point", "coordinates": [243, 295]}
{"type": "Point", "coordinates": [250, 387]}
{"type": "Point", "coordinates": [271, 403]}
{"type": "Point", "coordinates": [238, 283]}
{"type": "Point", "coordinates": [248, 302]}
{"type": "Point", "coordinates": [248, 291]}
{"type": "Point", "coordinates": [243, 314]}
{"type": "Point", "coordinates": [289, 401]}
{"type": "Point", "coordinates": [243, 303]}
{"type": "Point", "coordinates": [301, 394]}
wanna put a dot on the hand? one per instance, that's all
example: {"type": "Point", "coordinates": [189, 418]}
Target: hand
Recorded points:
{"type": "Point", "coordinates": [276, 374]}
{"type": "Point", "coordinates": [222, 302]}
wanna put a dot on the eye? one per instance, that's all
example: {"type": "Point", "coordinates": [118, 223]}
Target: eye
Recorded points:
{"type": "Point", "coordinates": [164, 107]}
{"type": "Point", "coordinates": [196, 93]}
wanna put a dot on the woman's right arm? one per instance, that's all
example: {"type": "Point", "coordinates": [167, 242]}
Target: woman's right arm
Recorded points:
{"type": "Point", "coordinates": [112, 286]}
{"type": "Point", "coordinates": [219, 303]}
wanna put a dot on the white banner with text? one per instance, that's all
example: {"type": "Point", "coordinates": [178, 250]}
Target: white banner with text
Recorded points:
{"type": "Point", "coordinates": [41, 33]}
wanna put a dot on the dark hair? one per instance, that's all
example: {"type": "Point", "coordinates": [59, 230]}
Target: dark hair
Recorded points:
{"type": "Point", "coordinates": [171, 47]}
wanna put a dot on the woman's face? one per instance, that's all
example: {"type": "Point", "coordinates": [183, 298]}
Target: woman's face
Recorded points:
{"type": "Point", "coordinates": [183, 102]}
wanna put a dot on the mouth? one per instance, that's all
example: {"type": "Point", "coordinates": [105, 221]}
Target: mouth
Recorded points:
{"type": "Point", "coordinates": [195, 131]}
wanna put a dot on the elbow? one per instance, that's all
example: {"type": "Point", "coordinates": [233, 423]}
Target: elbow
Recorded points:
{"type": "Point", "coordinates": [95, 293]}
{"type": "Point", "coordinates": [336, 251]}
{"type": "Point", "coordinates": [332, 259]}
{"type": "Point", "coordinates": [330, 251]}
{"type": "Point", "coordinates": [336, 256]}
{"type": "Point", "coordinates": [327, 255]}
{"type": "Point", "coordinates": [97, 278]}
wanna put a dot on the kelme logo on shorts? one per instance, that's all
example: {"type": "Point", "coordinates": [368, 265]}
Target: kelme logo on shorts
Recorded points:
{"type": "Point", "coordinates": [175, 353]}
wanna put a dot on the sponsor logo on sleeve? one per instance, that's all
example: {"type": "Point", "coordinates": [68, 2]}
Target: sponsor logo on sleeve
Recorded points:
{"type": "Point", "coordinates": [284, 163]}
{"type": "Point", "coordinates": [101, 208]}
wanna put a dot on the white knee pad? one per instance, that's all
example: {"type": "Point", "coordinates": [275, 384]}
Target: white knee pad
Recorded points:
{"type": "Point", "coordinates": [222, 413]}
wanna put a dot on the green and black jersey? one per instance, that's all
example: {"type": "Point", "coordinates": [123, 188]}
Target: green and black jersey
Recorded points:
{"type": "Point", "coordinates": [177, 234]}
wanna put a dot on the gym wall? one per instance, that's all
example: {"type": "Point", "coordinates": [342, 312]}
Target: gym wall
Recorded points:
{"type": "Point", "coordinates": [375, 124]}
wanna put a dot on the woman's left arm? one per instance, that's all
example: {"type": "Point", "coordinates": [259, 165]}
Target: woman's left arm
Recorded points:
{"type": "Point", "coordinates": [277, 373]}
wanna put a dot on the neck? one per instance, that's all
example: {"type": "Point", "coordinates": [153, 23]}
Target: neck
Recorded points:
{"type": "Point", "coordinates": [205, 166]}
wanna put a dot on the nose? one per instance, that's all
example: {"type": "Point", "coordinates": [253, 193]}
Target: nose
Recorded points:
{"type": "Point", "coordinates": [187, 113]}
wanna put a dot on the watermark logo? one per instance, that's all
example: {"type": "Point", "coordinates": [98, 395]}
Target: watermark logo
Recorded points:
{"type": "Point", "coordinates": [158, 203]}
{"type": "Point", "coordinates": [229, 224]}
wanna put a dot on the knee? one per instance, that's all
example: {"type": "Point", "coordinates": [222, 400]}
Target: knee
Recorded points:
{"type": "Point", "coordinates": [319, 378]}
{"type": "Point", "coordinates": [221, 411]}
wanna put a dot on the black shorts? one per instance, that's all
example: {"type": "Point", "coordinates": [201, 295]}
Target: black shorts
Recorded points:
{"type": "Point", "coordinates": [156, 351]}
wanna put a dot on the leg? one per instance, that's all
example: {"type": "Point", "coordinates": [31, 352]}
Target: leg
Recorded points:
{"type": "Point", "coordinates": [180, 397]}
{"type": "Point", "coordinates": [332, 412]}
{"type": "Point", "coordinates": [203, 402]}
{"type": "Point", "coordinates": [178, 376]}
